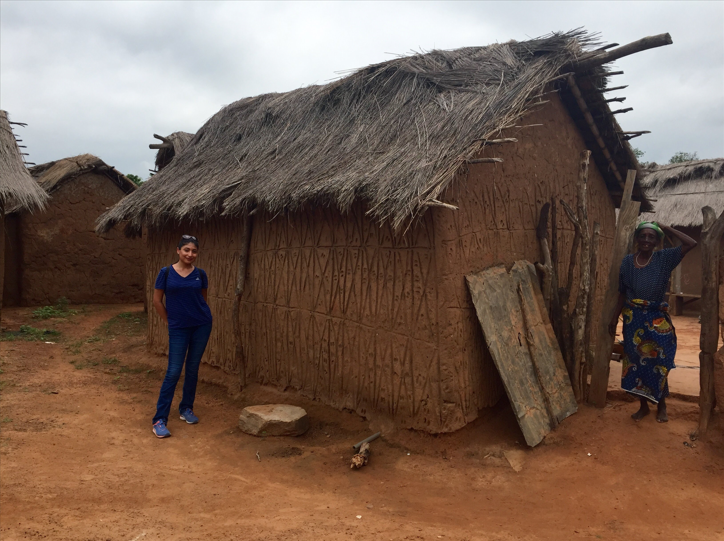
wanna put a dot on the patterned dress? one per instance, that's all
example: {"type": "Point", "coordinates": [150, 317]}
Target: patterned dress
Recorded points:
{"type": "Point", "coordinates": [649, 338]}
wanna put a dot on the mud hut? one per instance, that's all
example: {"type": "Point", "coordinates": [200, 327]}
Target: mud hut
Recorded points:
{"type": "Point", "coordinates": [338, 222]}
{"type": "Point", "coordinates": [56, 253]}
{"type": "Point", "coordinates": [169, 147]}
{"type": "Point", "coordinates": [18, 190]}
{"type": "Point", "coordinates": [680, 191]}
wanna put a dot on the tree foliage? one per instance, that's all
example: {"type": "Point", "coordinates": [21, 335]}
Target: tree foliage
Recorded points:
{"type": "Point", "coordinates": [135, 179]}
{"type": "Point", "coordinates": [681, 157]}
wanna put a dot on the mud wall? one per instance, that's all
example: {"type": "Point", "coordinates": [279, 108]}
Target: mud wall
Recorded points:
{"type": "Point", "coordinates": [499, 208]}
{"type": "Point", "coordinates": [61, 255]}
{"type": "Point", "coordinates": [11, 285]}
{"type": "Point", "coordinates": [691, 270]}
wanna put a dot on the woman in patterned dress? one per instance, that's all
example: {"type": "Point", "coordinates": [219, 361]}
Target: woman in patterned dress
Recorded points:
{"type": "Point", "coordinates": [649, 337]}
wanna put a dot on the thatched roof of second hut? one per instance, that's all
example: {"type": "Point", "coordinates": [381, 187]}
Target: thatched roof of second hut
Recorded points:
{"type": "Point", "coordinates": [392, 134]}
{"type": "Point", "coordinates": [680, 191]}
{"type": "Point", "coordinates": [18, 190]}
{"type": "Point", "coordinates": [177, 141]}
{"type": "Point", "coordinates": [52, 174]}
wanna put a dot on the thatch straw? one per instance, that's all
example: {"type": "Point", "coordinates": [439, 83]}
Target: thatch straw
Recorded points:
{"type": "Point", "coordinates": [18, 190]}
{"type": "Point", "coordinates": [392, 134]}
{"type": "Point", "coordinates": [52, 174]}
{"type": "Point", "coordinates": [179, 140]}
{"type": "Point", "coordinates": [682, 189]}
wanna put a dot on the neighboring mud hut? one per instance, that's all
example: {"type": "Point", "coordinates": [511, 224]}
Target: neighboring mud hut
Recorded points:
{"type": "Point", "coordinates": [371, 198]}
{"type": "Point", "coordinates": [680, 191]}
{"type": "Point", "coordinates": [56, 253]}
{"type": "Point", "coordinates": [18, 190]}
{"type": "Point", "coordinates": [169, 147]}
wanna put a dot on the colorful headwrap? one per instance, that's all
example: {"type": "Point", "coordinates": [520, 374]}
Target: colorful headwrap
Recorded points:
{"type": "Point", "coordinates": [650, 225]}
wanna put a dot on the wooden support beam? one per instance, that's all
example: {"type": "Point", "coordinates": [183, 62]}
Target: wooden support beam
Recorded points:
{"type": "Point", "coordinates": [612, 73]}
{"type": "Point", "coordinates": [625, 228]}
{"type": "Point", "coordinates": [598, 59]}
{"type": "Point", "coordinates": [711, 236]}
{"type": "Point", "coordinates": [157, 146]}
{"type": "Point", "coordinates": [613, 88]}
{"type": "Point", "coordinates": [619, 100]}
{"type": "Point", "coordinates": [240, 285]}
{"type": "Point", "coordinates": [619, 111]}
{"type": "Point", "coordinates": [546, 268]}
{"type": "Point", "coordinates": [162, 138]}
{"type": "Point", "coordinates": [584, 282]}
{"type": "Point", "coordinates": [594, 129]}
{"type": "Point", "coordinates": [595, 238]}
{"type": "Point", "coordinates": [499, 141]}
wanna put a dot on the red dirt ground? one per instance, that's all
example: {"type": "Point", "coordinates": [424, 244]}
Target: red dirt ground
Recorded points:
{"type": "Point", "coordinates": [78, 461]}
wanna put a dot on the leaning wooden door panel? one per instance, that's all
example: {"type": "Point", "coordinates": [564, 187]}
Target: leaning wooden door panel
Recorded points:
{"type": "Point", "coordinates": [543, 346]}
{"type": "Point", "coordinates": [497, 305]}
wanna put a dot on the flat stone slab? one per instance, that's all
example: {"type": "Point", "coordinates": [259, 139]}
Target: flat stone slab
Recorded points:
{"type": "Point", "coordinates": [274, 420]}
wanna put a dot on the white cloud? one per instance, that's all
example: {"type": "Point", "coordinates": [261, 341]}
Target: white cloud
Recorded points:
{"type": "Point", "coordinates": [102, 77]}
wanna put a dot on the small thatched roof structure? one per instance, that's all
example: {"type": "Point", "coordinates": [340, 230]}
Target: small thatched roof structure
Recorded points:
{"type": "Point", "coordinates": [393, 135]}
{"type": "Point", "coordinates": [52, 174]}
{"type": "Point", "coordinates": [18, 190]}
{"type": "Point", "coordinates": [172, 144]}
{"type": "Point", "coordinates": [680, 190]}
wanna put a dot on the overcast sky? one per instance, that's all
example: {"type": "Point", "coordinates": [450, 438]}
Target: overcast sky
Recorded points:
{"type": "Point", "coordinates": [101, 77]}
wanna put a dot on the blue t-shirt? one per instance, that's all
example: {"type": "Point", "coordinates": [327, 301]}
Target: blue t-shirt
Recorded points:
{"type": "Point", "coordinates": [185, 304]}
{"type": "Point", "coordinates": [650, 282]}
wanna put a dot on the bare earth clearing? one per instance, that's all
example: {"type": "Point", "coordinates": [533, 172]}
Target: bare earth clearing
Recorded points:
{"type": "Point", "coordinates": [78, 461]}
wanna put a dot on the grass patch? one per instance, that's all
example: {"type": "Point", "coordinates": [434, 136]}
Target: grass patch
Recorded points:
{"type": "Point", "coordinates": [58, 310]}
{"type": "Point", "coordinates": [7, 420]}
{"type": "Point", "coordinates": [110, 360]}
{"type": "Point", "coordinates": [75, 347]}
{"type": "Point", "coordinates": [129, 370]}
{"type": "Point", "coordinates": [124, 324]}
{"type": "Point", "coordinates": [29, 334]}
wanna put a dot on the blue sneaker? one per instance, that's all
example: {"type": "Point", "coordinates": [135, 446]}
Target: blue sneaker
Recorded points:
{"type": "Point", "coordinates": [159, 428]}
{"type": "Point", "coordinates": [188, 416]}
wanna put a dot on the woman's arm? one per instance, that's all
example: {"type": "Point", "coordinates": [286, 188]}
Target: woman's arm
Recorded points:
{"type": "Point", "coordinates": [158, 304]}
{"type": "Point", "coordinates": [614, 322]}
{"type": "Point", "coordinates": [205, 295]}
{"type": "Point", "coordinates": [687, 243]}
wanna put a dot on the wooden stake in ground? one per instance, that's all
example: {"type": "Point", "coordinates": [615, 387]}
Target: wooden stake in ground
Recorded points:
{"type": "Point", "coordinates": [711, 236]}
{"type": "Point", "coordinates": [625, 228]}
{"type": "Point", "coordinates": [584, 282]}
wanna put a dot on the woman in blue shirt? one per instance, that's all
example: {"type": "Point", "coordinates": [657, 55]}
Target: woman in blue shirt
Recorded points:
{"type": "Point", "coordinates": [189, 325]}
{"type": "Point", "coordinates": [649, 338]}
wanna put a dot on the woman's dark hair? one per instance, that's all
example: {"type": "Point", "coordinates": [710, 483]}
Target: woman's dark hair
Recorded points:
{"type": "Point", "coordinates": [187, 239]}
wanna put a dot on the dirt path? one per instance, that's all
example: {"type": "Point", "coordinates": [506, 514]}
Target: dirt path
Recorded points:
{"type": "Point", "coordinates": [78, 461]}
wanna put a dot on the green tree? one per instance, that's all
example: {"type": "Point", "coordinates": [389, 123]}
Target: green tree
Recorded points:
{"type": "Point", "coordinates": [638, 153]}
{"type": "Point", "coordinates": [135, 179]}
{"type": "Point", "coordinates": [681, 157]}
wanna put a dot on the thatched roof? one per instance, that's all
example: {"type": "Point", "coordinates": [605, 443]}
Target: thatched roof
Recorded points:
{"type": "Point", "coordinates": [18, 190]}
{"type": "Point", "coordinates": [177, 141]}
{"type": "Point", "coordinates": [52, 174]}
{"type": "Point", "coordinates": [680, 191]}
{"type": "Point", "coordinates": [393, 135]}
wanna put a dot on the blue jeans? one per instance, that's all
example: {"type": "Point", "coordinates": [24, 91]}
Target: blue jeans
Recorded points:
{"type": "Point", "coordinates": [184, 345]}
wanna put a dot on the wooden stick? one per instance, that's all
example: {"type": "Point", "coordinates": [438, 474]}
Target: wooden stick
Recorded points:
{"type": "Point", "coordinates": [594, 129]}
{"type": "Point", "coordinates": [565, 296]}
{"type": "Point", "coordinates": [499, 141]}
{"type": "Point", "coordinates": [546, 267]}
{"type": "Point", "coordinates": [612, 73]}
{"type": "Point", "coordinates": [620, 111]}
{"type": "Point", "coordinates": [711, 237]}
{"type": "Point", "coordinates": [613, 88]}
{"type": "Point", "coordinates": [643, 44]}
{"type": "Point", "coordinates": [156, 146]}
{"type": "Point", "coordinates": [162, 138]}
{"type": "Point", "coordinates": [619, 100]}
{"type": "Point", "coordinates": [555, 312]}
{"type": "Point", "coordinates": [240, 284]}
{"type": "Point", "coordinates": [486, 160]}
{"type": "Point", "coordinates": [584, 281]}
{"type": "Point", "coordinates": [436, 203]}
{"type": "Point", "coordinates": [595, 238]}
{"type": "Point", "coordinates": [625, 227]}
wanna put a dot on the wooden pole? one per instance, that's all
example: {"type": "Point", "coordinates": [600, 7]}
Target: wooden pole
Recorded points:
{"type": "Point", "coordinates": [2, 257]}
{"type": "Point", "coordinates": [592, 296]}
{"type": "Point", "coordinates": [643, 44]}
{"type": "Point", "coordinates": [546, 268]}
{"type": "Point", "coordinates": [240, 285]}
{"type": "Point", "coordinates": [584, 282]}
{"type": "Point", "coordinates": [711, 236]}
{"type": "Point", "coordinates": [565, 296]}
{"type": "Point", "coordinates": [555, 313]}
{"type": "Point", "coordinates": [625, 228]}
